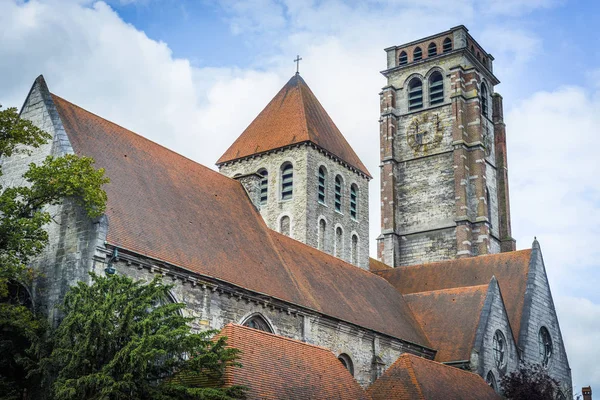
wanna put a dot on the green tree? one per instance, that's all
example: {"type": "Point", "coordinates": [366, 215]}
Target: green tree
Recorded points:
{"type": "Point", "coordinates": [122, 339]}
{"type": "Point", "coordinates": [23, 215]}
{"type": "Point", "coordinates": [531, 382]}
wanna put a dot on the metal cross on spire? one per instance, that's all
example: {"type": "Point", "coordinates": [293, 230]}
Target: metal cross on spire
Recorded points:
{"type": "Point", "coordinates": [297, 61]}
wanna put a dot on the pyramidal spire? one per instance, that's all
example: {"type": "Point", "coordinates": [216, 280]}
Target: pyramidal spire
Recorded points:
{"type": "Point", "coordinates": [292, 117]}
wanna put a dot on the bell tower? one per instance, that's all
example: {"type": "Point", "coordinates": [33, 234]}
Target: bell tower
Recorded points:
{"type": "Point", "coordinates": [444, 185]}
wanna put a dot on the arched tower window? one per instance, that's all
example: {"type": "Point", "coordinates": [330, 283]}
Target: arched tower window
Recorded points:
{"type": "Point", "coordinates": [322, 232]}
{"type": "Point", "coordinates": [436, 88]}
{"type": "Point", "coordinates": [284, 225]}
{"type": "Point", "coordinates": [491, 380]}
{"type": "Point", "coordinates": [403, 58]}
{"type": "Point", "coordinates": [347, 363]}
{"type": "Point", "coordinates": [415, 94]}
{"type": "Point", "coordinates": [432, 50]}
{"type": "Point", "coordinates": [489, 205]}
{"type": "Point", "coordinates": [258, 322]}
{"type": "Point", "coordinates": [545, 346]}
{"type": "Point", "coordinates": [354, 254]}
{"type": "Point", "coordinates": [447, 46]}
{"type": "Point", "coordinates": [322, 184]}
{"type": "Point", "coordinates": [484, 99]}
{"type": "Point", "coordinates": [353, 201]}
{"type": "Point", "coordinates": [338, 193]}
{"type": "Point", "coordinates": [287, 181]}
{"type": "Point", "coordinates": [417, 54]}
{"type": "Point", "coordinates": [339, 241]}
{"type": "Point", "coordinates": [264, 186]}
{"type": "Point", "coordinates": [499, 349]}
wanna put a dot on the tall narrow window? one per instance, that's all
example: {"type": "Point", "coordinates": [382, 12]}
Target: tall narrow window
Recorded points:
{"type": "Point", "coordinates": [545, 346]}
{"type": "Point", "coordinates": [415, 94]}
{"type": "Point", "coordinates": [499, 349]}
{"type": "Point", "coordinates": [353, 200]}
{"type": "Point", "coordinates": [339, 241]}
{"type": "Point", "coordinates": [436, 88]}
{"type": "Point", "coordinates": [489, 205]}
{"type": "Point", "coordinates": [338, 194]}
{"type": "Point", "coordinates": [447, 46]}
{"type": "Point", "coordinates": [403, 58]}
{"type": "Point", "coordinates": [264, 186]}
{"type": "Point", "coordinates": [287, 181]}
{"type": "Point", "coordinates": [431, 50]}
{"type": "Point", "coordinates": [354, 254]}
{"type": "Point", "coordinates": [484, 100]}
{"type": "Point", "coordinates": [322, 232]}
{"type": "Point", "coordinates": [284, 225]}
{"type": "Point", "coordinates": [417, 54]}
{"type": "Point", "coordinates": [491, 380]}
{"type": "Point", "coordinates": [322, 184]}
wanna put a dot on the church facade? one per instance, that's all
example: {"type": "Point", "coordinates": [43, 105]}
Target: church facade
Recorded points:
{"type": "Point", "coordinates": [278, 239]}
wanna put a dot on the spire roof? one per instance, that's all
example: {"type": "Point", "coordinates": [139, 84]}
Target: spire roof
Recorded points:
{"type": "Point", "coordinates": [293, 116]}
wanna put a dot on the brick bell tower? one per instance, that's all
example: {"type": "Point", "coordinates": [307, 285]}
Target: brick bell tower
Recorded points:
{"type": "Point", "coordinates": [444, 184]}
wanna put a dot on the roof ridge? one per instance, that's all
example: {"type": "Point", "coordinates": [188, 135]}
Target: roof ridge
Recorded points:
{"type": "Point", "coordinates": [450, 290]}
{"type": "Point", "coordinates": [413, 376]}
{"type": "Point", "coordinates": [303, 104]}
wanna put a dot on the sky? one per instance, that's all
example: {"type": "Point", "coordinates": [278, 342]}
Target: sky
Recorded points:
{"type": "Point", "coordinates": [192, 74]}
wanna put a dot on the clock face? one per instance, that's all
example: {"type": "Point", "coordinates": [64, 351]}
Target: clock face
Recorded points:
{"type": "Point", "coordinates": [424, 132]}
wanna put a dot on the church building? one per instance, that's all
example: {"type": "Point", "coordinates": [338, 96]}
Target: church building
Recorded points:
{"type": "Point", "coordinates": [278, 239]}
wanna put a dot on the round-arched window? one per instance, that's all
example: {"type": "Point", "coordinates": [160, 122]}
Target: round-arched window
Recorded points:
{"type": "Point", "coordinates": [490, 379]}
{"type": "Point", "coordinates": [499, 349]}
{"type": "Point", "coordinates": [258, 322]}
{"type": "Point", "coordinates": [347, 363]}
{"type": "Point", "coordinates": [545, 343]}
{"type": "Point", "coordinates": [415, 94]}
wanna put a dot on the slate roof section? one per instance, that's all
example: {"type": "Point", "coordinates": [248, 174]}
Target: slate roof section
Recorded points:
{"type": "Point", "coordinates": [450, 318]}
{"type": "Point", "coordinates": [169, 208]}
{"type": "Point", "coordinates": [511, 269]}
{"type": "Point", "coordinates": [415, 378]}
{"type": "Point", "coordinates": [294, 116]}
{"type": "Point", "coordinates": [275, 367]}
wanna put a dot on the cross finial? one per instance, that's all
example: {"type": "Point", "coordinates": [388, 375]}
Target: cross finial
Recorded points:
{"type": "Point", "coordinates": [297, 61]}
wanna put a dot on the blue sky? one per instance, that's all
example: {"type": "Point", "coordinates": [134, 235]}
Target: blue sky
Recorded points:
{"type": "Point", "coordinates": [193, 74]}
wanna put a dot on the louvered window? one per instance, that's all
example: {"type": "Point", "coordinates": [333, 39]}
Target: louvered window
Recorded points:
{"type": "Point", "coordinates": [447, 46]}
{"type": "Point", "coordinates": [353, 199]}
{"type": "Point", "coordinates": [403, 59]}
{"type": "Point", "coordinates": [338, 193]}
{"type": "Point", "coordinates": [432, 50]}
{"type": "Point", "coordinates": [287, 181]}
{"type": "Point", "coordinates": [415, 94]}
{"type": "Point", "coordinates": [436, 88]}
{"type": "Point", "coordinates": [484, 100]}
{"type": "Point", "coordinates": [264, 186]}
{"type": "Point", "coordinates": [322, 184]}
{"type": "Point", "coordinates": [417, 54]}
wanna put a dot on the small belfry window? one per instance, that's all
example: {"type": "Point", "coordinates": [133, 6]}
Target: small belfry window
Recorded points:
{"type": "Point", "coordinates": [258, 322]}
{"type": "Point", "coordinates": [322, 231]}
{"type": "Point", "coordinates": [264, 186]}
{"type": "Point", "coordinates": [484, 100]}
{"type": "Point", "coordinates": [545, 346]}
{"type": "Point", "coordinates": [339, 241]}
{"type": "Point", "coordinates": [447, 46]}
{"type": "Point", "coordinates": [284, 225]}
{"type": "Point", "coordinates": [403, 58]}
{"type": "Point", "coordinates": [338, 194]}
{"type": "Point", "coordinates": [415, 94]}
{"type": "Point", "coordinates": [436, 88]}
{"type": "Point", "coordinates": [431, 50]}
{"type": "Point", "coordinates": [354, 254]}
{"type": "Point", "coordinates": [287, 181]}
{"type": "Point", "coordinates": [347, 363]}
{"type": "Point", "coordinates": [322, 184]}
{"type": "Point", "coordinates": [499, 349]}
{"type": "Point", "coordinates": [417, 54]}
{"type": "Point", "coordinates": [490, 379]}
{"type": "Point", "coordinates": [353, 200]}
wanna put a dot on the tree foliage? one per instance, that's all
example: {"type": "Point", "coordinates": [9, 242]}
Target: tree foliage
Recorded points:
{"type": "Point", "coordinates": [531, 382]}
{"type": "Point", "coordinates": [121, 339]}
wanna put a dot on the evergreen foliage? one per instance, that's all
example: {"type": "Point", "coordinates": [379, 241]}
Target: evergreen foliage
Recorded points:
{"type": "Point", "coordinates": [122, 339]}
{"type": "Point", "coordinates": [531, 382]}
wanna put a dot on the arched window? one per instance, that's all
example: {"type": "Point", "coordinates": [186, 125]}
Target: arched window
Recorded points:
{"type": "Point", "coordinates": [484, 99]}
{"type": "Point", "coordinates": [489, 205]}
{"type": "Point", "coordinates": [338, 193]}
{"type": "Point", "coordinates": [436, 88]}
{"type": "Point", "coordinates": [472, 49]}
{"type": "Point", "coordinates": [339, 241]}
{"type": "Point", "coordinates": [354, 254]}
{"type": "Point", "coordinates": [499, 349]}
{"type": "Point", "coordinates": [545, 341]}
{"type": "Point", "coordinates": [417, 54]}
{"type": "Point", "coordinates": [353, 201]}
{"type": "Point", "coordinates": [322, 232]}
{"type": "Point", "coordinates": [447, 46]}
{"type": "Point", "coordinates": [491, 380]}
{"type": "Point", "coordinates": [432, 50]}
{"type": "Point", "coordinates": [287, 181]}
{"type": "Point", "coordinates": [284, 225]}
{"type": "Point", "coordinates": [258, 322]}
{"type": "Point", "coordinates": [264, 186]}
{"type": "Point", "coordinates": [322, 184]}
{"type": "Point", "coordinates": [415, 94]}
{"type": "Point", "coordinates": [347, 363]}
{"type": "Point", "coordinates": [403, 58]}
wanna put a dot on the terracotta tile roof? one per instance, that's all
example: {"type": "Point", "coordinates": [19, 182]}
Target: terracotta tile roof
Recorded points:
{"type": "Point", "coordinates": [449, 318]}
{"type": "Point", "coordinates": [274, 367]}
{"type": "Point", "coordinates": [167, 207]}
{"type": "Point", "coordinates": [511, 270]}
{"type": "Point", "coordinates": [293, 116]}
{"type": "Point", "coordinates": [376, 265]}
{"type": "Point", "coordinates": [412, 378]}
